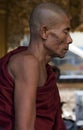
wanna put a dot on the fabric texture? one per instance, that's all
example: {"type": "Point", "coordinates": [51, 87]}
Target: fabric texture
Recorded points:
{"type": "Point", "coordinates": [48, 113]}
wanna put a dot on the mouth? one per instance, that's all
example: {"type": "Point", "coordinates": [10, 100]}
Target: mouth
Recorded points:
{"type": "Point", "coordinates": [66, 49]}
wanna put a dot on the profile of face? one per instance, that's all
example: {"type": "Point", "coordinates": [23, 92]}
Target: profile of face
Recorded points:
{"type": "Point", "coordinates": [58, 39]}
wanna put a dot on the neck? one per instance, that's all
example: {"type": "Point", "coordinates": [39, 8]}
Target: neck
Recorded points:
{"type": "Point", "coordinates": [38, 50]}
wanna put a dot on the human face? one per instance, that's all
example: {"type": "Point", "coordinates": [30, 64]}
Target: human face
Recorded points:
{"type": "Point", "coordinates": [58, 39]}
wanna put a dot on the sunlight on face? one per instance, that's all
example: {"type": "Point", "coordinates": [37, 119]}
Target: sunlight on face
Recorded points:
{"type": "Point", "coordinates": [59, 39]}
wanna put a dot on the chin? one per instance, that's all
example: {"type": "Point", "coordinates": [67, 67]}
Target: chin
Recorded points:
{"type": "Point", "coordinates": [58, 55]}
{"type": "Point", "coordinates": [61, 56]}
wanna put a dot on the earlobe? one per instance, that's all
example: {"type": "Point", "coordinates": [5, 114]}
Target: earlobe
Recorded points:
{"type": "Point", "coordinates": [43, 32]}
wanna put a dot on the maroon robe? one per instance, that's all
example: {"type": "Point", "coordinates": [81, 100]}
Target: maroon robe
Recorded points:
{"type": "Point", "coordinates": [48, 113]}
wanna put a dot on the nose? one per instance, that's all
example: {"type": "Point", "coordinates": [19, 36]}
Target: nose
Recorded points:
{"type": "Point", "coordinates": [70, 40]}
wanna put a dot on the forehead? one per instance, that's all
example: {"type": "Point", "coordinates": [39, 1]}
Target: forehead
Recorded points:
{"type": "Point", "coordinates": [63, 23]}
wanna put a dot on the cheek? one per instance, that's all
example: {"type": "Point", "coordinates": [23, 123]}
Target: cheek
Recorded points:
{"type": "Point", "coordinates": [62, 43]}
{"type": "Point", "coordinates": [62, 39]}
{"type": "Point", "coordinates": [55, 43]}
{"type": "Point", "coordinates": [54, 39]}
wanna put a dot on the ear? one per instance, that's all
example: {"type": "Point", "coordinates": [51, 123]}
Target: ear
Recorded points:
{"type": "Point", "coordinates": [43, 32]}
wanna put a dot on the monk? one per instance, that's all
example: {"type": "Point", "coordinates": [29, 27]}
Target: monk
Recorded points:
{"type": "Point", "coordinates": [29, 97]}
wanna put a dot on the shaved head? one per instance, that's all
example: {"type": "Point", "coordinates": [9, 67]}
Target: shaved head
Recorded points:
{"type": "Point", "coordinates": [47, 14]}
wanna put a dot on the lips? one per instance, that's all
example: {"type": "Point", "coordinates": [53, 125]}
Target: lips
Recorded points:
{"type": "Point", "coordinates": [66, 48]}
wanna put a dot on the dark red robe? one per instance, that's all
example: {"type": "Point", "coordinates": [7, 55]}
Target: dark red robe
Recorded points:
{"type": "Point", "coordinates": [48, 113]}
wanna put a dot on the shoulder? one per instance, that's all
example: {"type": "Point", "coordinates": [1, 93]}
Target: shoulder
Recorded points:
{"type": "Point", "coordinates": [23, 64]}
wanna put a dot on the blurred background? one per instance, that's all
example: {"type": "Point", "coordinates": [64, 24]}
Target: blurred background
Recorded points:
{"type": "Point", "coordinates": [14, 32]}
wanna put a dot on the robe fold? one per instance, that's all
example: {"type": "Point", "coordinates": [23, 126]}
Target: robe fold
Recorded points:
{"type": "Point", "coordinates": [48, 113]}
